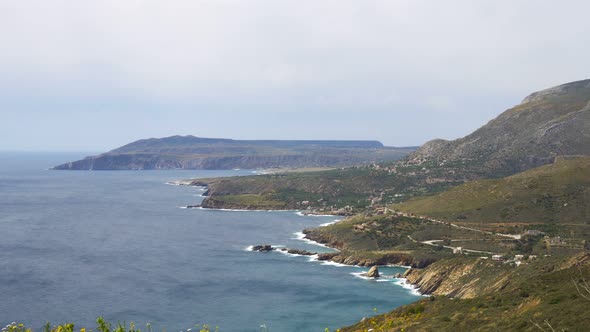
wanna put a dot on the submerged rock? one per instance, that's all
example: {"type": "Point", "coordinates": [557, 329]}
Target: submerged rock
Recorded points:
{"type": "Point", "coordinates": [373, 272]}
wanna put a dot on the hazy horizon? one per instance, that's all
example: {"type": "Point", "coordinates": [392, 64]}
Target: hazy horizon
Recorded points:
{"type": "Point", "coordinates": [93, 76]}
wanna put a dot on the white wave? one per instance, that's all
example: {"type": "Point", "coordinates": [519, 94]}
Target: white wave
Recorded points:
{"type": "Point", "coordinates": [241, 210]}
{"type": "Point", "coordinates": [397, 265]}
{"type": "Point", "coordinates": [329, 223]}
{"type": "Point", "coordinates": [183, 207]}
{"type": "Point", "coordinates": [309, 214]}
{"type": "Point", "coordinates": [182, 183]}
{"type": "Point", "coordinates": [313, 258]}
{"type": "Point", "coordinates": [284, 252]}
{"type": "Point", "coordinates": [301, 237]}
{"type": "Point", "coordinates": [363, 275]}
{"type": "Point", "coordinates": [330, 263]}
{"type": "Point", "coordinates": [403, 282]}
{"type": "Point", "coordinates": [278, 246]}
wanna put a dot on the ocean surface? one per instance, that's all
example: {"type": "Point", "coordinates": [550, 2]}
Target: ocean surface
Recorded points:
{"type": "Point", "coordinates": [78, 244]}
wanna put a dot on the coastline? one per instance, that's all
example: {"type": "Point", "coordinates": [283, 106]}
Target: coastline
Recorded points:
{"type": "Point", "coordinates": [400, 281]}
{"type": "Point", "coordinates": [209, 202]}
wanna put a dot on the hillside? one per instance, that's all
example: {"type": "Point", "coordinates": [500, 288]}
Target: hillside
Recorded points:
{"type": "Point", "coordinates": [548, 123]}
{"type": "Point", "coordinates": [552, 194]}
{"type": "Point", "coordinates": [327, 191]}
{"type": "Point", "coordinates": [189, 152]}
{"type": "Point", "coordinates": [547, 294]}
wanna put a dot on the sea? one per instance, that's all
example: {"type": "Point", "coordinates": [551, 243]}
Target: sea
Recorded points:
{"type": "Point", "coordinates": [75, 245]}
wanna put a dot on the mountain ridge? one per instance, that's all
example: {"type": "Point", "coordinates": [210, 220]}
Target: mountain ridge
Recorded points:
{"type": "Point", "coordinates": [548, 123]}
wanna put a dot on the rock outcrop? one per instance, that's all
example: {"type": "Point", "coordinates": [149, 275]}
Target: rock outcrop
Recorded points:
{"type": "Point", "coordinates": [373, 272]}
{"type": "Point", "coordinates": [299, 252]}
{"type": "Point", "coordinates": [263, 248]}
{"type": "Point", "coordinates": [460, 278]}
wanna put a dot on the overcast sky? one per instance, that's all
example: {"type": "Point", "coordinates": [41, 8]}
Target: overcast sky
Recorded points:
{"type": "Point", "coordinates": [93, 75]}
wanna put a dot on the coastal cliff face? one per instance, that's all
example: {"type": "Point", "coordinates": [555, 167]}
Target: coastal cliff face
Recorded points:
{"type": "Point", "coordinates": [545, 292]}
{"type": "Point", "coordinates": [546, 124]}
{"type": "Point", "coordinates": [373, 259]}
{"type": "Point", "coordinates": [460, 278]}
{"type": "Point", "coordinates": [468, 278]}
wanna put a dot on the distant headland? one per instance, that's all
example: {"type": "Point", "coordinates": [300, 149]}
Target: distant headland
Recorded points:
{"type": "Point", "coordinates": [190, 152]}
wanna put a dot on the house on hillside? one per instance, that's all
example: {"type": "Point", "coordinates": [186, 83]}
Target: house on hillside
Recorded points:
{"type": "Point", "coordinates": [555, 241]}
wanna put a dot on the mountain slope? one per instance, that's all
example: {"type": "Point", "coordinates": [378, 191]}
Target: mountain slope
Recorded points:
{"type": "Point", "coordinates": [189, 152]}
{"type": "Point", "coordinates": [546, 124]}
{"type": "Point", "coordinates": [556, 193]}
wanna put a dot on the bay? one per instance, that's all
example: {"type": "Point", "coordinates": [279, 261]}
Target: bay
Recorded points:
{"type": "Point", "coordinates": [79, 244]}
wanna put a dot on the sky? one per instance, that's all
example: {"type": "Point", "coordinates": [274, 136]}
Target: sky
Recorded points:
{"type": "Point", "coordinates": [86, 75]}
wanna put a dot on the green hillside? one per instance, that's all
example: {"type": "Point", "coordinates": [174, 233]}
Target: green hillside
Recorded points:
{"type": "Point", "coordinates": [556, 194]}
{"type": "Point", "coordinates": [327, 191]}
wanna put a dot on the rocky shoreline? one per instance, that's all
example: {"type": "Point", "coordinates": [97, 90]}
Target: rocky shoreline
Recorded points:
{"type": "Point", "coordinates": [352, 258]}
{"type": "Point", "coordinates": [340, 257]}
{"type": "Point", "coordinates": [372, 273]}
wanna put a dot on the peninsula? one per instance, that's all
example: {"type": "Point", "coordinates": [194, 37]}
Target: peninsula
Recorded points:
{"type": "Point", "coordinates": [190, 152]}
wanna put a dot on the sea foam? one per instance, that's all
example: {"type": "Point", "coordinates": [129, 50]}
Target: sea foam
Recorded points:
{"type": "Point", "coordinates": [363, 275]}
{"type": "Point", "coordinates": [403, 282]}
{"type": "Point", "coordinates": [306, 214]}
{"type": "Point", "coordinates": [329, 223]}
{"type": "Point", "coordinates": [300, 236]}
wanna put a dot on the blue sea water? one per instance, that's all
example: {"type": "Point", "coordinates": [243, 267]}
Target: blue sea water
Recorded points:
{"type": "Point", "coordinates": [78, 244]}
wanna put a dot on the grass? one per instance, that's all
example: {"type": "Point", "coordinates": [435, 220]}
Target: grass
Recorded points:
{"type": "Point", "coordinates": [551, 194]}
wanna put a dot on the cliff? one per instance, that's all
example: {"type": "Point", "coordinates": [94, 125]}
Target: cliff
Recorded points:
{"type": "Point", "coordinates": [491, 296]}
{"type": "Point", "coordinates": [461, 277]}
